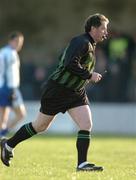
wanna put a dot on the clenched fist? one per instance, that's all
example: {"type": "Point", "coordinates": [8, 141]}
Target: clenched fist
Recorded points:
{"type": "Point", "coordinates": [96, 77]}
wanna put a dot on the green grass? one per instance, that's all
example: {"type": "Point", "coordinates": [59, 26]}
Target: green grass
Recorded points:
{"type": "Point", "coordinates": [54, 158]}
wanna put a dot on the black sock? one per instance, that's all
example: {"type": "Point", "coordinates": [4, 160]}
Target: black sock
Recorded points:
{"type": "Point", "coordinates": [23, 133]}
{"type": "Point", "coordinates": [82, 144]}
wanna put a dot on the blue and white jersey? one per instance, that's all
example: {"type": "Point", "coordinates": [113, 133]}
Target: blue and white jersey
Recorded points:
{"type": "Point", "coordinates": [9, 68]}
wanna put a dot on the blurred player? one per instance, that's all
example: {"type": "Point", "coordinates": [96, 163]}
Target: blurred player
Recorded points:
{"type": "Point", "coordinates": [65, 91]}
{"type": "Point", "coordinates": [10, 96]}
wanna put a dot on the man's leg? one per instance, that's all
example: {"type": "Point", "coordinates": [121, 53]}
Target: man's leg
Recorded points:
{"type": "Point", "coordinates": [83, 118]}
{"type": "Point", "coordinates": [26, 131]}
{"type": "Point", "coordinates": [4, 114]}
{"type": "Point", "coordinates": [20, 113]}
{"type": "Point", "coordinates": [18, 108]}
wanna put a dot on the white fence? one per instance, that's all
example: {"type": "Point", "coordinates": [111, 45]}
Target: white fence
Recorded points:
{"type": "Point", "coordinates": [107, 118]}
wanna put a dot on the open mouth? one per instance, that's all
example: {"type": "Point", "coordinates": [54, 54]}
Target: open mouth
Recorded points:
{"type": "Point", "coordinates": [104, 37]}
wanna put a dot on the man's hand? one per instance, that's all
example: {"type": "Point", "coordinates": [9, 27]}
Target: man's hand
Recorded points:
{"type": "Point", "coordinates": [96, 77]}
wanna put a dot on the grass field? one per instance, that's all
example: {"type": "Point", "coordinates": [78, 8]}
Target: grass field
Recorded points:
{"type": "Point", "coordinates": [54, 158]}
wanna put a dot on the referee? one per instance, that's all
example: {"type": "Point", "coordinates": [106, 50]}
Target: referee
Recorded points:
{"type": "Point", "coordinates": [65, 91]}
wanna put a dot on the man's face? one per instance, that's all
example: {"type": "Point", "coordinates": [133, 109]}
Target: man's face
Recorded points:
{"type": "Point", "coordinates": [100, 33]}
{"type": "Point", "coordinates": [17, 43]}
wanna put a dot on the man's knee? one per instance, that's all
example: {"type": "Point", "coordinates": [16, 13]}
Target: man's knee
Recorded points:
{"type": "Point", "coordinates": [86, 126]}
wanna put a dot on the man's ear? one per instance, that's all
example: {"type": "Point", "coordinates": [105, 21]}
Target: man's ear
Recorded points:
{"type": "Point", "coordinates": [93, 28]}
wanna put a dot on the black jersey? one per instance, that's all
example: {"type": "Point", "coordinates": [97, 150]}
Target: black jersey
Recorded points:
{"type": "Point", "coordinates": [76, 63]}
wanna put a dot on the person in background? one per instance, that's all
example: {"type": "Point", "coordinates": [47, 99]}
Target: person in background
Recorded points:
{"type": "Point", "coordinates": [10, 95]}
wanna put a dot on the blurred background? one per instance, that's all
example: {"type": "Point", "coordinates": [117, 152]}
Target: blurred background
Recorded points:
{"type": "Point", "coordinates": [48, 25]}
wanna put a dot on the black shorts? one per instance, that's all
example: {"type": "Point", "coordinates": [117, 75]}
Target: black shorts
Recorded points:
{"type": "Point", "coordinates": [56, 98]}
